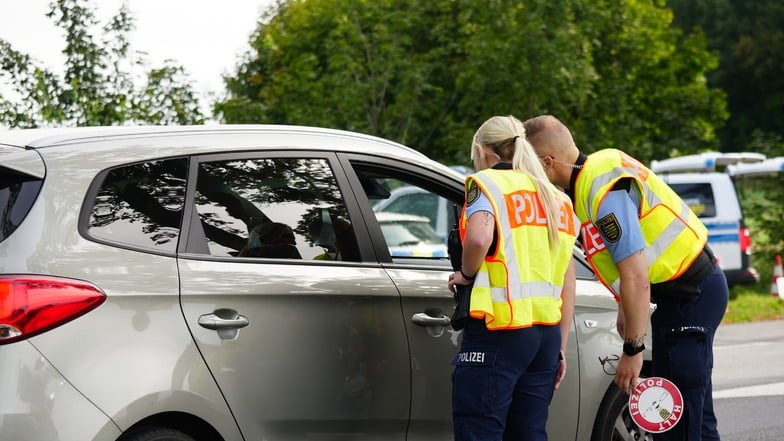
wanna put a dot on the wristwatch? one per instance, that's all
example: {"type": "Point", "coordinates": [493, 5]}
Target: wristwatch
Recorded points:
{"type": "Point", "coordinates": [630, 349]}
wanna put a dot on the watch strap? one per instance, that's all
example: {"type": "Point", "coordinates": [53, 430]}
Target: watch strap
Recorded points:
{"type": "Point", "coordinates": [630, 349]}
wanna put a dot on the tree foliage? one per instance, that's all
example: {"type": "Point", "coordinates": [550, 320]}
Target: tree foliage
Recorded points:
{"type": "Point", "coordinates": [98, 85]}
{"type": "Point", "coordinates": [428, 73]}
{"type": "Point", "coordinates": [749, 37]}
{"type": "Point", "coordinates": [760, 198]}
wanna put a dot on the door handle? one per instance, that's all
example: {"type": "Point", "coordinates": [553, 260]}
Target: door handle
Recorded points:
{"type": "Point", "coordinates": [425, 319]}
{"type": "Point", "coordinates": [226, 321]}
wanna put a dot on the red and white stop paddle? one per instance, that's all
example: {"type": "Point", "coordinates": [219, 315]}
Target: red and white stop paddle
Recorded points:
{"type": "Point", "coordinates": [656, 404]}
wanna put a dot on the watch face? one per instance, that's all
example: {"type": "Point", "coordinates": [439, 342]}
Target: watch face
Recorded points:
{"type": "Point", "coordinates": [656, 404]}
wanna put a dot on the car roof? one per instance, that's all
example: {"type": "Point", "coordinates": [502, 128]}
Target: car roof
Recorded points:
{"type": "Point", "coordinates": [51, 137]}
{"type": "Point", "coordinates": [704, 162]}
{"type": "Point", "coordinates": [139, 143]}
{"type": "Point", "coordinates": [684, 178]}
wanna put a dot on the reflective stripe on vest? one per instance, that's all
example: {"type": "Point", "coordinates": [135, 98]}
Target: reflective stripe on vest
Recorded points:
{"type": "Point", "coordinates": [673, 234]}
{"type": "Point", "coordinates": [501, 294]}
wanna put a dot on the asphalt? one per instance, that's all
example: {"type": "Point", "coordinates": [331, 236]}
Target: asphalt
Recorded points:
{"type": "Point", "coordinates": [735, 333]}
{"type": "Point", "coordinates": [747, 359]}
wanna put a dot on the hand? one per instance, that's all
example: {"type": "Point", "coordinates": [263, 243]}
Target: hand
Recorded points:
{"type": "Point", "coordinates": [456, 278]}
{"type": "Point", "coordinates": [561, 372]}
{"type": "Point", "coordinates": [627, 375]}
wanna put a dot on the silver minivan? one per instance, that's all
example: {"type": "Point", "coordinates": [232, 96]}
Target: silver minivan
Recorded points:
{"type": "Point", "coordinates": [234, 283]}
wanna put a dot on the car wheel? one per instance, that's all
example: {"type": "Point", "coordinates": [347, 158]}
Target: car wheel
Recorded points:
{"type": "Point", "coordinates": [613, 422]}
{"type": "Point", "coordinates": [156, 434]}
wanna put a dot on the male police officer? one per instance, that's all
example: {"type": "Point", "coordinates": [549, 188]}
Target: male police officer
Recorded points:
{"type": "Point", "coordinates": [645, 245]}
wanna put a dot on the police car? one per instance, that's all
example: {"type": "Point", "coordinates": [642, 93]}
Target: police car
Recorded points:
{"type": "Point", "coordinates": [706, 183]}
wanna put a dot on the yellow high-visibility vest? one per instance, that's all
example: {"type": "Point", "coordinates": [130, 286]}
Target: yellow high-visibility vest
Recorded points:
{"type": "Point", "coordinates": [520, 284]}
{"type": "Point", "coordinates": [674, 236]}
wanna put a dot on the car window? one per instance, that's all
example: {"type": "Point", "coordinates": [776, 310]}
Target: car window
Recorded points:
{"type": "Point", "coordinates": [410, 235]}
{"type": "Point", "coordinates": [414, 218]}
{"type": "Point", "coordinates": [698, 196]}
{"type": "Point", "coordinates": [17, 194]}
{"type": "Point", "coordinates": [581, 267]}
{"type": "Point", "coordinates": [413, 200]}
{"type": "Point", "coordinates": [140, 205]}
{"type": "Point", "coordinates": [284, 208]}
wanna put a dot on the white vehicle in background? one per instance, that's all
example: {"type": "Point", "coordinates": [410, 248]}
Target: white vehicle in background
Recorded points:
{"type": "Point", "coordinates": [408, 235]}
{"type": "Point", "coordinates": [706, 183]}
{"type": "Point", "coordinates": [410, 199]}
{"type": "Point", "coordinates": [413, 200]}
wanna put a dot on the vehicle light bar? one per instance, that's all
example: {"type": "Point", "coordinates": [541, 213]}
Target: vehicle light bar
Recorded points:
{"type": "Point", "coordinates": [704, 162]}
{"type": "Point", "coordinates": [767, 168]}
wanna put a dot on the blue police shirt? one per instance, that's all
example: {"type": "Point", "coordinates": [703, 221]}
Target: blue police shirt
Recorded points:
{"type": "Point", "coordinates": [480, 203]}
{"type": "Point", "coordinates": [619, 223]}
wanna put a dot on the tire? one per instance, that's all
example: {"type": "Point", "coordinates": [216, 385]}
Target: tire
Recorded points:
{"type": "Point", "coordinates": [613, 422]}
{"type": "Point", "coordinates": [155, 434]}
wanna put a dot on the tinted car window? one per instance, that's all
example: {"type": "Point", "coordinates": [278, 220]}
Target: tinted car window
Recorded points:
{"type": "Point", "coordinates": [274, 208]}
{"type": "Point", "coordinates": [140, 205]}
{"type": "Point", "coordinates": [699, 197]}
{"type": "Point", "coordinates": [17, 194]}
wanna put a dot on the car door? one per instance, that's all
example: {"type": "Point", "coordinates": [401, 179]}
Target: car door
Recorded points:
{"type": "Point", "coordinates": [427, 303]}
{"type": "Point", "coordinates": [300, 326]}
{"type": "Point", "coordinates": [421, 280]}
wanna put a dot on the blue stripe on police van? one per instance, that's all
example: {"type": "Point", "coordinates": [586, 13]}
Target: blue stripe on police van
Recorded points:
{"type": "Point", "coordinates": [723, 232]}
{"type": "Point", "coordinates": [724, 226]}
{"type": "Point", "coordinates": [723, 238]}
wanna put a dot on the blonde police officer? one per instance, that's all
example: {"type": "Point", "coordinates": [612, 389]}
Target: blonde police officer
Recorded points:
{"type": "Point", "coordinates": [518, 232]}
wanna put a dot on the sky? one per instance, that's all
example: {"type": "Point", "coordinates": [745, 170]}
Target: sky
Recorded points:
{"type": "Point", "coordinates": [206, 37]}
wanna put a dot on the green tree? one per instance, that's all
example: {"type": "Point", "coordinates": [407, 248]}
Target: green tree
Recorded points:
{"type": "Point", "coordinates": [749, 37]}
{"type": "Point", "coordinates": [650, 96]}
{"type": "Point", "coordinates": [428, 73]}
{"type": "Point", "coordinates": [98, 85]}
{"type": "Point", "coordinates": [760, 198]}
{"type": "Point", "coordinates": [380, 67]}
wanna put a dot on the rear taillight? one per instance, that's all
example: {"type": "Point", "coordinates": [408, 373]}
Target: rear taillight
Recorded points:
{"type": "Point", "coordinates": [745, 240]}
{"type": "Point", "coordinates": [30, 305]}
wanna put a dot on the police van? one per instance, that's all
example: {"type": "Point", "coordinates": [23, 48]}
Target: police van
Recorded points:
{"type": "Point", "coordinates": [706, 183]}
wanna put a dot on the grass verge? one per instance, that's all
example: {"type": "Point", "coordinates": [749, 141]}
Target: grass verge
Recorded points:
{"type": "Point", "coordinates": [753, 304]}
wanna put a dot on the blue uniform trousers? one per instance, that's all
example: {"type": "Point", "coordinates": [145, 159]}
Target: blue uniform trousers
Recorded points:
{"type": "Point", "coordinates": [683, 332]}
{"type": "Point", "coordinates": [503, 382]}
